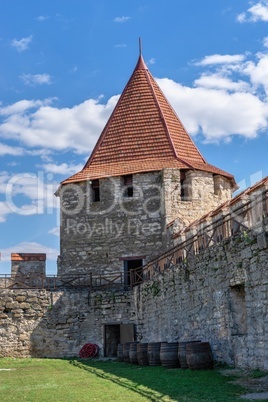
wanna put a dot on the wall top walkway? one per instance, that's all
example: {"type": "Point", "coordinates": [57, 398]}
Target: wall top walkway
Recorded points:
{"type": "Point", "coordinates": [249, 195]}
{"type": "Point", "coordinates": [246, 213]}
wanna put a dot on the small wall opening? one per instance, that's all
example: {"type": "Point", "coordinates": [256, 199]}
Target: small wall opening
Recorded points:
{"type": "Point", "coordinates": [183, 186]}
{"type": "Point", "coordinates": [238, 310]}
{"type": "Point", "coordinates": [132, 271]}
{"type": "Point", "coordinates": [112, 339]}
{"type": "Point", "coordinates": [186, 191]}
{"type": "Point", "coordinates": [115, 334]}
{"type": "Point", "coordinates": [128, 184]}
{"type": "Point", "coordinates": [217, 185]}
{"type": "Point", "coordinates": [95, 187]}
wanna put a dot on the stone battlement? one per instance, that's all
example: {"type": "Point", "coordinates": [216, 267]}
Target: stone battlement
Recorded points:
{"type": "Point", "coordinates": [28, 257]}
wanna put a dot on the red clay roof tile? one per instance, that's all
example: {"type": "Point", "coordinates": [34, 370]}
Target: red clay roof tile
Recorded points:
{"type": "Point", "coordinates": [143, 134]}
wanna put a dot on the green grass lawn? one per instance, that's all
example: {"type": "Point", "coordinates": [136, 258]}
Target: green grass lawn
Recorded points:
{"type": "Point", "coordinates": [56, 380]}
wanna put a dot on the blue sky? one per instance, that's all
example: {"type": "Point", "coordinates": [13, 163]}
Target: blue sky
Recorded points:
{"type": "Point", "coordinates": [63, 65]}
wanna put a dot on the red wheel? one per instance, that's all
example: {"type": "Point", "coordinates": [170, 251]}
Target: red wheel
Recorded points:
{"type": "Point", "coordinates": [89, 350]}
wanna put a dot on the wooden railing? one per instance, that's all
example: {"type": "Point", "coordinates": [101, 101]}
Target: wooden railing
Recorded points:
{"type": "Point", "coordinates": [246, 218]}
{"type": "Point", "coordinates": [115, 280]}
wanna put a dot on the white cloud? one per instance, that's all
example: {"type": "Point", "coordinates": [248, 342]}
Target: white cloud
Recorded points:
{"type": "Point", "coordinates": [22, 44]}
{"type": "Point", "coordinates": [13, 163]}
{"type": "Point", "coordinates": [37, 124]}
{"type": "Point", "coordinates": [242, 17]}
{"type": "Point", "coordinates": [36, 79]}
{"type": "Point", "coordinates": [121, 45]}
{"type": "Point", "coordinates": [258, 72]}
{"type": "Point", "coordinates": [63, 169]}
{"type": "Point", "coordinates": [221, 59]}
{"type": "Point", "coordinates": [41, 18]}
{"type": "Point", "coordinates": [151, 61]}
{"type": "Point", "coordinates": [216, 113]}
{"type": "Point", "coordinates": [30, 247]}
{"type": "Point", "coordinates": [27, 194]}
{"type": "Point", "coordinates": [8, 150]}
{"type": "Point", "coordinates": [24, 106]}
{"type": "Point", "coordinates": [121, 19]}
{"type": "Point", "coordinates": [217, 81]}
{"type": "Point", "coordinates": [11, 204]}
{"type": "Point", "coordinates": [228, 98]}
{"type": "Point", "coordinates": [222, 104]}
{"type": "Point", "coordinates": [4, 211]}
{"type": "Point", "coordinates": [255, 71]}
{"type": "Point", "coordinates": [55, 231]}
{"type": "Point", "coordinates": [4, 177]}
{"type": "Point", "coordinates": [258, 12]}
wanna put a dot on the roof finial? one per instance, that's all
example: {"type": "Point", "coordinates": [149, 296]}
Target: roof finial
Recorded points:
{"type": "Point", "coordinates": [140, 47]}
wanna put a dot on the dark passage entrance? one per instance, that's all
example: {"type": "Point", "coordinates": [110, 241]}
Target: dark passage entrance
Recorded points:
{"type": "Point", "coordinates": [115, 334]}
{"type": "Point", "coordinates": [132, 264]}
{"type": "Point", "coordinates": [112, 339]}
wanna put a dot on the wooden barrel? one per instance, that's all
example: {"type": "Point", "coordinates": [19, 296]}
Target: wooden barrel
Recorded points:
{"type": "Point", "coordinates": [169, 354]}
{"type": "Point", "coordinates": [126, 352]}
{"type": "Point", "coordinates": [133, 353]}
{"type": "Point", "coordinates": [153, 353]}
{"type": "Point", "coordinates": [182, 353]}
{"type": "Point", "coordinates": [120, 357]}
{"type": "Point", "coordinates": [142, 354]}
{"type": "Point", "coordinates": [199, 356]}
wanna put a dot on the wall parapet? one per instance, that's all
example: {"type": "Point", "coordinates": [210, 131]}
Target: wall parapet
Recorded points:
{"type": "Point", "coordinates": [218, 296]}
{"type": "Point", "coordinates": [41, 323]}
{"type": "Point", "coordinates": [28, 257]}
{"type": "Point", "coordinates": [244, 216]}
{"type": "Point", "coordinates": [33, 280]}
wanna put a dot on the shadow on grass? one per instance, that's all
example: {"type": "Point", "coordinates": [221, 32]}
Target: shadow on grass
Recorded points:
{"type": "Point", "coordinates": [161, 384]}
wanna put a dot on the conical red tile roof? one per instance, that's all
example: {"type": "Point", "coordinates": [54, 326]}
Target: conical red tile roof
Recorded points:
{"type": "Point", "coordinates": [143, 134]}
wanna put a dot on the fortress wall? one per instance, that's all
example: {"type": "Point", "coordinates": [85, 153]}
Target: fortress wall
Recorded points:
{"type": "Point", "coordinates": [95, 236]}
{"type": "Point", "coordinates": [39, 323]}
{"type": "Point", "coordinates": [190, 195]}
{"type": "Point", "coordinates": [28, 263]}
{"type": "Point", "coordinates": [220, 296]}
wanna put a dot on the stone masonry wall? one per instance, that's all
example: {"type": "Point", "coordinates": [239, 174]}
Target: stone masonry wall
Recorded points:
{"type": "Point", "coordinates": [220, 296]}
{"type": "Point", "coordinates": [95, 236]}
{"type": "Point", "coordinates": [39, 323]}
{"type": "Point", "coordinates": [203, 192]}
{"type": "Point", "coordinates": [28, 263]}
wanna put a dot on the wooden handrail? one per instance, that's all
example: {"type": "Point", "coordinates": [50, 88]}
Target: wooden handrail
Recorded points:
{"type": "Point", "coordinates": [199, 236]}
{"type": "Point", "coordinates": [37, 281]}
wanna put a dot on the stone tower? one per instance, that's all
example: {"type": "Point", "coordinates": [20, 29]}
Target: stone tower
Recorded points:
{"type": "Point", "coordinates": [144, 172]}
